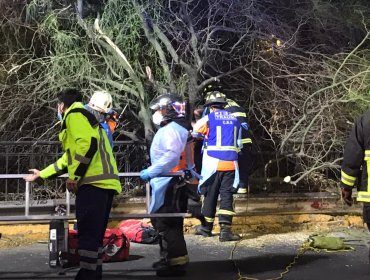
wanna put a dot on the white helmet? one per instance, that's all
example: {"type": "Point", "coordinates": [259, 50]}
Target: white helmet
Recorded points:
{"type": "Point", "coordinates": [101, 101]}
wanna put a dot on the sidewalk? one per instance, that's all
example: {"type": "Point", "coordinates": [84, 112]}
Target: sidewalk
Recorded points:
{"type": "Point", "coordinates": [262, 257]}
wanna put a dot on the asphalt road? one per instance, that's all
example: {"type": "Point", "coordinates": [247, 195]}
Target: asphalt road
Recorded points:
{"type": "Point", "coordinates": [255, 257]}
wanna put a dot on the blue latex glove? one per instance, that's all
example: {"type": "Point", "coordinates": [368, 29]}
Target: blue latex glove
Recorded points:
{"type": "Point", "coordinates": [245, 126]}
{"type": "Point", "coordinates": [144, 175]}
{"type": "Point", "coordinates": [197, 135]}
{"type": "Point", "coordinates": [193, 172]}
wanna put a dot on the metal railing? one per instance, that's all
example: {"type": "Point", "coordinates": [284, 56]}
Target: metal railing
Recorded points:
{"type": "Point", "coordinates": [269, 169]}
{"type": "Point", "coordinates": [18, 157]}
{"type": "Point", "coordinates": [69, 216]}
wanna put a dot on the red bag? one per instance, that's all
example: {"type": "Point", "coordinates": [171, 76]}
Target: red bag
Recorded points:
{"type": "Point", "coordinates": [139, 232]}
{"type": "Point", "coordinates": [116, 246]}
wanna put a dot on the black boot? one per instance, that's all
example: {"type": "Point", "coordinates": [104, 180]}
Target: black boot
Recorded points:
{"type": "Point", "coordinates": [204, 229]}
{"type": "Point", "coordinates": [163, 269]}
{"type": "Point", "coordinates": [159, 264]}
{"type": "Point", "coordinates": [227, 235]}
{"type": "Point", "coordinates": [172, 271]}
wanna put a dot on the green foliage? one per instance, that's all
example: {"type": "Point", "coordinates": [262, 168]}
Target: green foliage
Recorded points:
{"type": "Point", "coordinates": [300, 66]}
{"type": "Point", "coordinates": [36, 10]}
{"type": "Point", "coordinates": [78, 55]}
{"type": "Point", "coordinates": [49, 25]}
{"type": "Point", "coordinates": [356, 90]}
{"type": "Point", "coordinates": [121, 22]}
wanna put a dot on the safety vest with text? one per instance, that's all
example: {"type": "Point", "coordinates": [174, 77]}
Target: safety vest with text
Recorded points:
{"type": "Point", "coordinates": [224, 132]}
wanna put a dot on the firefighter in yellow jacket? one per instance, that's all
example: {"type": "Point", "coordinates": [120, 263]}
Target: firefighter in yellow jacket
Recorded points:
{"type": "Point", "coordinates": [92, 176]}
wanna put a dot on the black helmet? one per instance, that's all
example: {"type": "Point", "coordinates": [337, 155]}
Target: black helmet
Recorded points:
{"type": "Point", "coordinates": [214, 91]}
{"type": "Point", "coordinates": [172, 102]}
{"type": "Point", "coordinates": [216, 101]}
{"type": "Point", "coordinates": [213, 87]}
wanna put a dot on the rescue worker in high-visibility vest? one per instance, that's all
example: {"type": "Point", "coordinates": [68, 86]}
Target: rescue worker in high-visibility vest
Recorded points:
{"type": "Point", "coordinates": [245, 158]}
{"type": "Point", "coordinates": [168, 194]}
{"type": "Point", "coordinates": [92, 176]}
{"type": "Point", "coordinates": [220, 172]}
{"type": "Point", "coordinates": [356, 166]}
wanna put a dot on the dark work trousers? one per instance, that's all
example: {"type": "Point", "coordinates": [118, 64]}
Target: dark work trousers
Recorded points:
{"type": "Point", "coordinates": [194, 204]}
{"type": "Point", "coordinates": [366, 214]}
{"type": "Point", "coordinates": [245, 162]}
{"type": "Point", "coordinates": [366, 217]}
{"type": "Point", "coordinates": [220, 183]}
{"type": "Point", "coordinates": [171, 235]}
{"type": "Point", "coordinates": [93, 206]}
{"type": "Point", "coordinates": [198, 145]}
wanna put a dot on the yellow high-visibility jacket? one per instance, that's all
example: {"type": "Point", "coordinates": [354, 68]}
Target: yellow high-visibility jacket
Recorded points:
{"type": "Point", "coordinates": [88, 156]}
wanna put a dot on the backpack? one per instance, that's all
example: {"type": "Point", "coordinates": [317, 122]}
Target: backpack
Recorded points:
{"type": "Point", "coordinates": [116, 246]}
{"type": "Point", "coordinates": [138, 231]}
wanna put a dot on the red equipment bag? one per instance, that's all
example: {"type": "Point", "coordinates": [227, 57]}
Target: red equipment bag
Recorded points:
{"type": "Point", "coordinates": [139, 232]}
{"type": "Point", "coordinates": [116, 246]}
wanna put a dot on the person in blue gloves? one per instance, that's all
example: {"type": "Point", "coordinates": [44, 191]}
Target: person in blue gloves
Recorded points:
{"type": "Point", "coordinates": [168, 193]}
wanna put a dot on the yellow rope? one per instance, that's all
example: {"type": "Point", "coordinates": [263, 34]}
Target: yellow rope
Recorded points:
{"type": "Point", "coordinates": [301, 250]}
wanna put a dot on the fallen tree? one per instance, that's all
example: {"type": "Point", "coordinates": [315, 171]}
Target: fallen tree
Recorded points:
{"type": "Point", "coordinates": [300, 69]}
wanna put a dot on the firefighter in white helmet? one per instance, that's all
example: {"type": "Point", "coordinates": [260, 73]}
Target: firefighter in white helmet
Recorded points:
{"type": "Point", "coordinates": [101, 101]}
{"type": "Point", "coordinates": [100, 105]}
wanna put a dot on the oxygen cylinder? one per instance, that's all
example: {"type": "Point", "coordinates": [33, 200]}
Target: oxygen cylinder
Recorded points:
{"type": "Point", "coordinates": [58, 242]}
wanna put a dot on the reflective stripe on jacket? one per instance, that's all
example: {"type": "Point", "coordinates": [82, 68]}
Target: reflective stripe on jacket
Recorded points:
{"type": "Point", "coordinates": [224, 132]}
{"type": "Point", "coordinates": [240, 114]}
{"type": "Point", "coordinates": [88, 157]}
{"type": "Point", "coordinates": [211, 155]}
{"type": "Point", "coordinates": [356, 158]}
